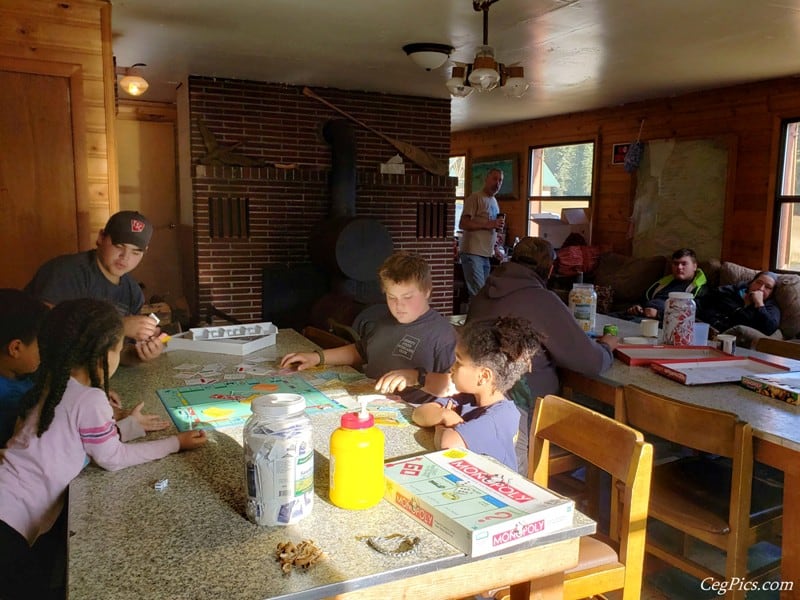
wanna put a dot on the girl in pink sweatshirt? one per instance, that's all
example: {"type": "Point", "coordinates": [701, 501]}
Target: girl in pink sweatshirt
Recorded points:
{"type": "Point", "coordinates": [67, 420]}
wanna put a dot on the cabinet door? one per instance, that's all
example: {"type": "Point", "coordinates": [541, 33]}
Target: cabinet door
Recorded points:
{"type": "Point", "coordinates": [38, 206]}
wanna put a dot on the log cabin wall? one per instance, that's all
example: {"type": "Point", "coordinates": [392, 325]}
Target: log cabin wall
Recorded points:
{"type": "Point", "coordinates": [749, 115]}
{"type": "Point", "coordinates": [277, 124]}
{"type": "Point", "coordinates": [50, 35]}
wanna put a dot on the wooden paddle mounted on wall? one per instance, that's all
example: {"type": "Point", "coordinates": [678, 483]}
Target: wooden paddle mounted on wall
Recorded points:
{"type": "Point", "coordinates": [418, 156]}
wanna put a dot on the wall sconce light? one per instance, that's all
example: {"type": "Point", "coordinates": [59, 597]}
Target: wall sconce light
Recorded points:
{"type": "Point", "coordinates": [428, 55]}
{"type": "Point", "coordinates": [132, 83]}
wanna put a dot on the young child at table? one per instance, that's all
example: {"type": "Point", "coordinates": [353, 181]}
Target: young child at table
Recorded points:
{"type": "Point", "coordinates": [491, 356]}
{"type": "Point", "coordinates": [67, 420]}
{"type": "Point", "coordinates": [21, 315]}
{"type": "Point", "coordinates": [411, 346]}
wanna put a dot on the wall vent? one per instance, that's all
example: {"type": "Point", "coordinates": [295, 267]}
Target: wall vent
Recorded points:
{"type": "Point", "coordinates": [229, 218]}
{"type": "Point", "coordinates": [432, 220]}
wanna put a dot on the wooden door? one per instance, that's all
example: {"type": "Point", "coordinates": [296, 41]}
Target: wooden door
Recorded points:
{"type": "Point", "coordinates": [38, 203]}
{"type": "Point", "coordinates": [147, 183]}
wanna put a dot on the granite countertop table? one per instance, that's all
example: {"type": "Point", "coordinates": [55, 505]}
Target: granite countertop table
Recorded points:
{"type": "Point", "coordinates": [193, 540]}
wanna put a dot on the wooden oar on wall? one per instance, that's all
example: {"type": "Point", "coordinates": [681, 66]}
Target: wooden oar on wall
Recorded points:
{"type": "Point", "coordinates": [420, 157]}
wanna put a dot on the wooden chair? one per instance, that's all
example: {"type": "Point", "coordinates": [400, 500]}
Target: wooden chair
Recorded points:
{"type": "Point", "coordinates": [710, 497]}
{"type": "Point", "coordinates": [778, 347]}
{"type": "Point", "coordinates": [621, 451]}
{"type": "Point", "coordinates": [343, 331]}
{"type": "Point", "coordinates": [324, 339]}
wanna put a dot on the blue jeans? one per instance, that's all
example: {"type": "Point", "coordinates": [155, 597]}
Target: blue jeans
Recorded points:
{"type": "Point", "coordinates": [476, 270]}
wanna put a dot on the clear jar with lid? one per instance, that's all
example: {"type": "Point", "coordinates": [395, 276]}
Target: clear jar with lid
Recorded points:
{"type": "Point", "coordinates": [279, 460]}
{"type": "Point", "coordinates": [679, 315]}
{"type": "Point", "coordinates": [583, 305]}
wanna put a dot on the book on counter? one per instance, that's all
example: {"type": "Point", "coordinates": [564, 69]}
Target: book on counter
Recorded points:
{"type": "Point", "coordinates": [704, 371]}
{"type": "Point", "coordinates": [473, 502]}
{"type": "Point", "coordinates": [780, 386]}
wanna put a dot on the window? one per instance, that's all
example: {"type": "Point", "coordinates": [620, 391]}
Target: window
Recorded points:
{"type": "Point", "coordinates": [786, 230]}
{"type": "Point", "coordinates": [560, 177]}
{"type": "Point", "coordinates": [458, 169]}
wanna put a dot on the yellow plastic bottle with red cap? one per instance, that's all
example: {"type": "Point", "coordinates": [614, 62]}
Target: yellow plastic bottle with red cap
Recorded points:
{"type": "Point", "coordinates": [357, 480]}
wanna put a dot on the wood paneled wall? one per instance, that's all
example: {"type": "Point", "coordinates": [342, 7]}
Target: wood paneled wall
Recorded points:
{"type": "Point", "coordinates": [749, 115]}
{"type": "Point", "coordinates": [74, 34]}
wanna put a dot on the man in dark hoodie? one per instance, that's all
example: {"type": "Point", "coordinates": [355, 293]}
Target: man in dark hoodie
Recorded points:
{"type": "Point", "coordinates": [519, 288]}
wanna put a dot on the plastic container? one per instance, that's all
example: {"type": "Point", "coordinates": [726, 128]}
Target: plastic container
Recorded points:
{"type": "Point", "coordinates": [679, 314]}
{"type": "Point", "coordinates": [357, 480]}
{"type": "Point", "coordinates": [279, 460]}
{"type": "Point", "coordinates": [583, 305]}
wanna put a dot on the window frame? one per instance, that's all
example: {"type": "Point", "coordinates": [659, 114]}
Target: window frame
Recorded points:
{"type": "Point", "coordinates": [589, 200]}
{"type": "Point", "coordinates": [780, 199]}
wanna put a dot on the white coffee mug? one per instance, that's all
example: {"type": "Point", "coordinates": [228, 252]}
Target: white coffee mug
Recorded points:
{"type": "Point", "coordinates": [649, 328]}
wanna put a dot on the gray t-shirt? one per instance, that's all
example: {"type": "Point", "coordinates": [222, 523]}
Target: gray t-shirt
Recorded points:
{"type": "Point", "coordinates": [73, 276]}
{"type": "Point", "coordinates": [429, 342]}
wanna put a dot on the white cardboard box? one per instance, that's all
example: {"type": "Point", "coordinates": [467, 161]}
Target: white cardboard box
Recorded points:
{"type": "Point", "coordinates": [555, 229]}
{"type": "Point", "coordinates": [229, 339]}
{"type": "Point", "coordinates": [473, 502]}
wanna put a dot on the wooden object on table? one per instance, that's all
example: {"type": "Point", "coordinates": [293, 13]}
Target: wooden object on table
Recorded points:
{"type": "Point", "coordinates": [603, 565]}
{"type": "Point", "coordinates": [324, 339]}
{"type": "Point", "coordinates": [703, 497]}
{"type": "Point", "coordinates": [778, 347]}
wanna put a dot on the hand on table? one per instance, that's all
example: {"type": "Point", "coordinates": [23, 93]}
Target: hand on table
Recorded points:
{"type": "Point", "coordinates": [300, 360]}
{"type": "Point", "coordinates": [189, 440]}
{"type": "Point", "coordinates": [396, 381]}
{"type": "Point", "coordinates": [148, 422]}
{"type": "Point", "coordinates": [116, 404]}
{"type": "Point", "coordinates": [636, 309]}
{"type": "Point", "coordinates": [650, 313]}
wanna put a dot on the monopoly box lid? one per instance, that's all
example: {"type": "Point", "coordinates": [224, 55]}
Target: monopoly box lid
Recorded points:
{"type": "Point", "coordinates": [473, 502]}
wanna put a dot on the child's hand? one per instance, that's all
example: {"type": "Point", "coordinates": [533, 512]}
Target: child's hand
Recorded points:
{"type": "Point", "coordinates": [149, 349]}
{"type": "Point", "coordinates": [396, 381]}
{"type": "Point", "coordinates": [148, 422]}
{"type": "Point", "coordinates": [189, 440]}
{"type": "Point", "coordinates": [300, 360]}
{"type": "Point", "coordinates": [450, 418]}
{"type": "Point", "coordinates": [116, 404]}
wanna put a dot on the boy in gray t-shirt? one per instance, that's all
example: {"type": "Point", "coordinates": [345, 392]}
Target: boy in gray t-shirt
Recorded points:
{"type": "Point", "coordinates": [412, 346]}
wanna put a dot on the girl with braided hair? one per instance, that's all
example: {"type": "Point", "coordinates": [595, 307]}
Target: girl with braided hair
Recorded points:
{"type": "Point", "coordinates": [490, 357]}
{"type": "Point", "coordinates": [66, 421]}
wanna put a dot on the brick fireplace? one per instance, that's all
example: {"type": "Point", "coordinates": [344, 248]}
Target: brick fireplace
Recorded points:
{"type": "Point", "coordinates": [275, 210]}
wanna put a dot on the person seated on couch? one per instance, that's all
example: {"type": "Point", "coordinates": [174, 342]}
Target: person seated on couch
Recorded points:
{"type": "Point", "coordinates": [685, 277]}
{"type": "Point", "coordinates": [747, 303]}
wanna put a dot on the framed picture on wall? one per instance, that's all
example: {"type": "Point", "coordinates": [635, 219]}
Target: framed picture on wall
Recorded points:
{"type": "Point", "coordinates": [618, 153]}
{"type": "Point", "coordinates": [508, 164]}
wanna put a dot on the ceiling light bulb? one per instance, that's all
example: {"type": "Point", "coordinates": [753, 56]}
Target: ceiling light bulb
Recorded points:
{"type": "Point", "coordinates": [484, 74]}
{"type": "Point", "coordinates": [456, 85]}
{"type": "Point", "coordinates": [515, 85]}
{"type": "Point", "coordinates": [134, 85]}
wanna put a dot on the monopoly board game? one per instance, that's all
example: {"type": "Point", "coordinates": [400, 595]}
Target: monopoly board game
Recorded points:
{"type": "Point", "coordinates": [473, 502]}
{"type": "Point", "coordinates": [227, 403]}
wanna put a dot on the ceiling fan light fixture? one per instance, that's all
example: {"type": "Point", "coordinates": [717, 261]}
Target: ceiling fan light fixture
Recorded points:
{"type": "Point", "coordinates": [458, 88]}
{"type": "Point", "coordinates": [515, 84]}
{"type": "Point", "coordinates": [485, 75]}
{"type": "Point", "coordinates": [428, 55]}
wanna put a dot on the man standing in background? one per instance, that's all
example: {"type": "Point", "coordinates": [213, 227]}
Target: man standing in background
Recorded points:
{"type": "Point", "coordinates": [479, 223]}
